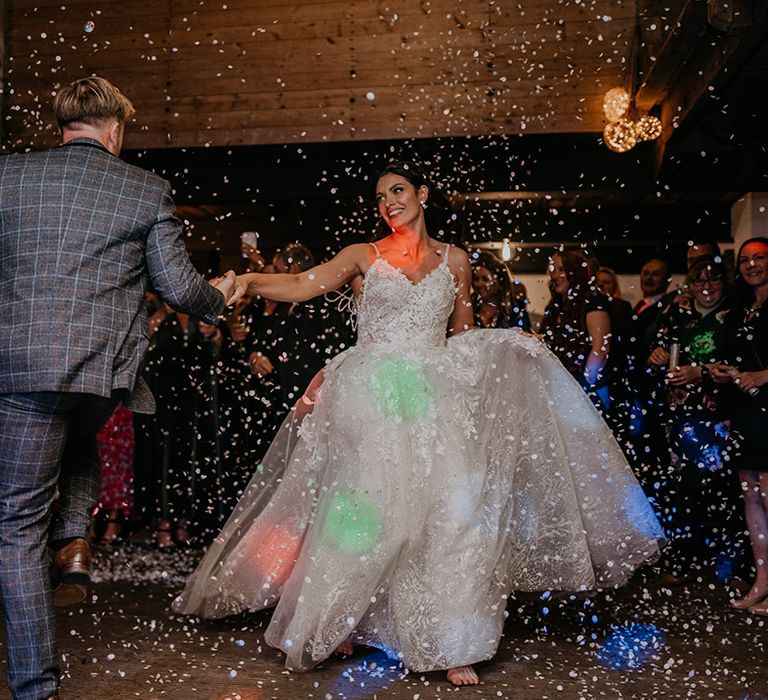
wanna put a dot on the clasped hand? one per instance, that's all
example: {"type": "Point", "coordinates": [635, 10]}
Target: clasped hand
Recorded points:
{"type": "Point", "coordinates": [230, 286]}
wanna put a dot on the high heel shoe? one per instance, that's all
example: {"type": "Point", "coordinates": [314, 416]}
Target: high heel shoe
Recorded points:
{"type": "Point", "coordinates": [181, 535]}
{"type": "Point", "coordinates": [111, 532]}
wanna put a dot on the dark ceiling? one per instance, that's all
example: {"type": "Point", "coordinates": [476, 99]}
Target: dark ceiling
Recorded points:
{"type": "Point", "coordinates": [548, 189]}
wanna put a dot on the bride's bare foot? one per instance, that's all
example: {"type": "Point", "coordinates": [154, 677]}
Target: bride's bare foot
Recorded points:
{"type": "Point", "coordinates": [760, 609]}
{"type": "Point", "coordinates": [463, 675]}
{"type": "Point", "coordinates": [345, 648]}
{"type": "Point", "coordinates": [754, 596]}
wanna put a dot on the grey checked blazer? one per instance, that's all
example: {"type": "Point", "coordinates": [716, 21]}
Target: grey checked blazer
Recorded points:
{"type": "Point", "coordinates": [81, 235]}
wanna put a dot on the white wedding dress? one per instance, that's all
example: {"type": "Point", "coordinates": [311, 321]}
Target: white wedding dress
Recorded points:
{"type": "Point", "coordinates": [433, 478]}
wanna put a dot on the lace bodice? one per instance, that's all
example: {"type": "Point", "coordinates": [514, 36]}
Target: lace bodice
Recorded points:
{"type": "Point", "coordinates": [392, 309]}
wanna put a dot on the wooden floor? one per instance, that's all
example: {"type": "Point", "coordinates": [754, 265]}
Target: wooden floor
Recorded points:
{"type": "Point", "coordinates": [643, 641]}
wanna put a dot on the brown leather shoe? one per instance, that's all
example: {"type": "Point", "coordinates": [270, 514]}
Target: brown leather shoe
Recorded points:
{"type": "Point", "coordinates": [74, 558]}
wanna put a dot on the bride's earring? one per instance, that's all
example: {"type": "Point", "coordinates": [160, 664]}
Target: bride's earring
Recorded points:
{"type": "Point", "coordinates": [423, 205]}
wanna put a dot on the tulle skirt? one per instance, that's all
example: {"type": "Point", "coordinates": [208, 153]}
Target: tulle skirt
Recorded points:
{"type": "Point", "coordinates": [427, 484]}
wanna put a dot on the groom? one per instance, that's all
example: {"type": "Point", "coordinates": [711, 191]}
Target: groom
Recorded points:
{"type": "Point", "coordinates": [82, 234]}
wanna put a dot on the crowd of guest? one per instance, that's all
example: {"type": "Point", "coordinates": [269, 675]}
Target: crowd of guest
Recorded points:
{"type": "Point", "coordinates": [221, 392]}
{"type": "Point", "coordinates": [677, 377]}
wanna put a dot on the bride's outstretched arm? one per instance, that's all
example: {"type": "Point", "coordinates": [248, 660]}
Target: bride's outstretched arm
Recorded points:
{"type": "Point", "coordinates": [462, 317]}
{"type": "Point", "coordinates": [311, 283]}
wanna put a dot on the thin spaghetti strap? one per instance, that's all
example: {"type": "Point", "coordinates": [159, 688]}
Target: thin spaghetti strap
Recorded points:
{"type": "Point", "coordinates": [378, 254]}
{"type": "Point", "coordinates": [445, 255]}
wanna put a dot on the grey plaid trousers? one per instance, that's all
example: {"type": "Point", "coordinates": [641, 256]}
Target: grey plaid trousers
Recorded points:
{"type": "Point", "coordinates": [46, 439]}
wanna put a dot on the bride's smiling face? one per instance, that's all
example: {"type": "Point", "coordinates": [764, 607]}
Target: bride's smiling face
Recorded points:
{"type": "Point", "coordinates": [399, 201]}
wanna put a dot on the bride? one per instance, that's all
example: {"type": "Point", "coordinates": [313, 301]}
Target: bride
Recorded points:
{"type": "Point", "coordinates": [426, 473]}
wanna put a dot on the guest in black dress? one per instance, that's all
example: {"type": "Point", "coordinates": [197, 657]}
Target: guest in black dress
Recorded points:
{"type": "Point", "coordinates": [292, 345]}
{"type": "Point", "coordinates": [576, 325]}
{"type": "Point", "coordinates": [499, 300]}
{"type": "Point", "coordinates": [240, 404]}
{"type": "Point", "coordinates": [180, 363]}
{"type": "Point", "coordinates": [748, 373]}
{"type": "Point", "coordinates": [620, 314]}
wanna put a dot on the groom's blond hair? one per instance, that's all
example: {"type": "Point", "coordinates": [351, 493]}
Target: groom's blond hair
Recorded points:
{"type": "Point", "coordinates": [91, 101]}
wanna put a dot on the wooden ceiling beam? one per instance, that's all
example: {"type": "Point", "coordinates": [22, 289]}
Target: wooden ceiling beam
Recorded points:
{"type": "Point", "coordinates": [704, 51]}
{"type": "Point", "coordinates": [673, 55]}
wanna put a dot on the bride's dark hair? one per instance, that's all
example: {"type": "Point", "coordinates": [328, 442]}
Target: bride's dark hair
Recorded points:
{"type": "Point", "coordinates": [442, 220]}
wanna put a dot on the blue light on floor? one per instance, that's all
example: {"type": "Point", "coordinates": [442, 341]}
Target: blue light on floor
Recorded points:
{"type": "Point", "coordinates": [366, 675]}
{"type": "Point", "coordinates": [700, 442]}
{"type": "Point", "coordinates": [630, 647]}
{"type": "Point", "coordinates": [724, 567]}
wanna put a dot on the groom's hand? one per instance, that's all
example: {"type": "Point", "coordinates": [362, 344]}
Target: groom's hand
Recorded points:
{"type": "Point", "coordinates": [228, 286]}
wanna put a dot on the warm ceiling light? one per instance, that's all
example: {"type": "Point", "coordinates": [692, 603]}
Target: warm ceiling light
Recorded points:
{"type": "Point", "coordinates": [615, 104]}
{"type": "Point", "coordinates": [648, 128]}
{"type": "Point", "coordinates": [620, 135]}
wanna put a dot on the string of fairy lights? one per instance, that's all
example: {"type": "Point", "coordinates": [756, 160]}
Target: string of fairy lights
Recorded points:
{"type": "Point", "coordinates": [622, 132]}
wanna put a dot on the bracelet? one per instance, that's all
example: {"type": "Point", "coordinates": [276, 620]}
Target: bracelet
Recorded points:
{"type": "Point", "coordinates": [704, 371]}
{"type": "Point", "coordinates": [307, 400]}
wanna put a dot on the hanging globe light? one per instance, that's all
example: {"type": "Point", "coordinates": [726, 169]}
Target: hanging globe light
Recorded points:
{"type": "Point", "coordinates": [620, 136]}
{"type": "Point", "coordinates": [648, 128]}
{"type": "Point", "coordinates": [615, 104]}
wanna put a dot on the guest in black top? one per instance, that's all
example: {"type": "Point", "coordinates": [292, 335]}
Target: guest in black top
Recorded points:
{"type": "Point", "coordinates": [180, 371]}
{"type": "Point", "coordinates": [648, 452]}
{"type": "Point", "coordinates": [748, 372]}
{"type": "Point", "coordinates": [654, 282]}
{"type": "Point", "coordinates": [240, 405]}
{"type": "Point", "coordinates": [499, 300]}
{"type": "Point", "coordinates": [619, 309]}
{"type": "Point", "coordinates": [620, 313]}
{"type": "Point", "coordinates": [702, 520]}
{"type": "Point", "coordinates": [576, 325]}
{"type": "Point", "coordinates": [293, 344]}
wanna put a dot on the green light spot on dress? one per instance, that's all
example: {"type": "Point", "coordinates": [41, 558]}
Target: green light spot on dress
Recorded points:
{"type": "Point", "coordinates": [353, 522]}
{"type": "Point", "coordinates": [401, 389]}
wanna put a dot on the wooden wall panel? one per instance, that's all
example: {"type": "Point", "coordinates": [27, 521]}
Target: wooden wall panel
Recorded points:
{"type": "Point", "coordinates": [264, 71]}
